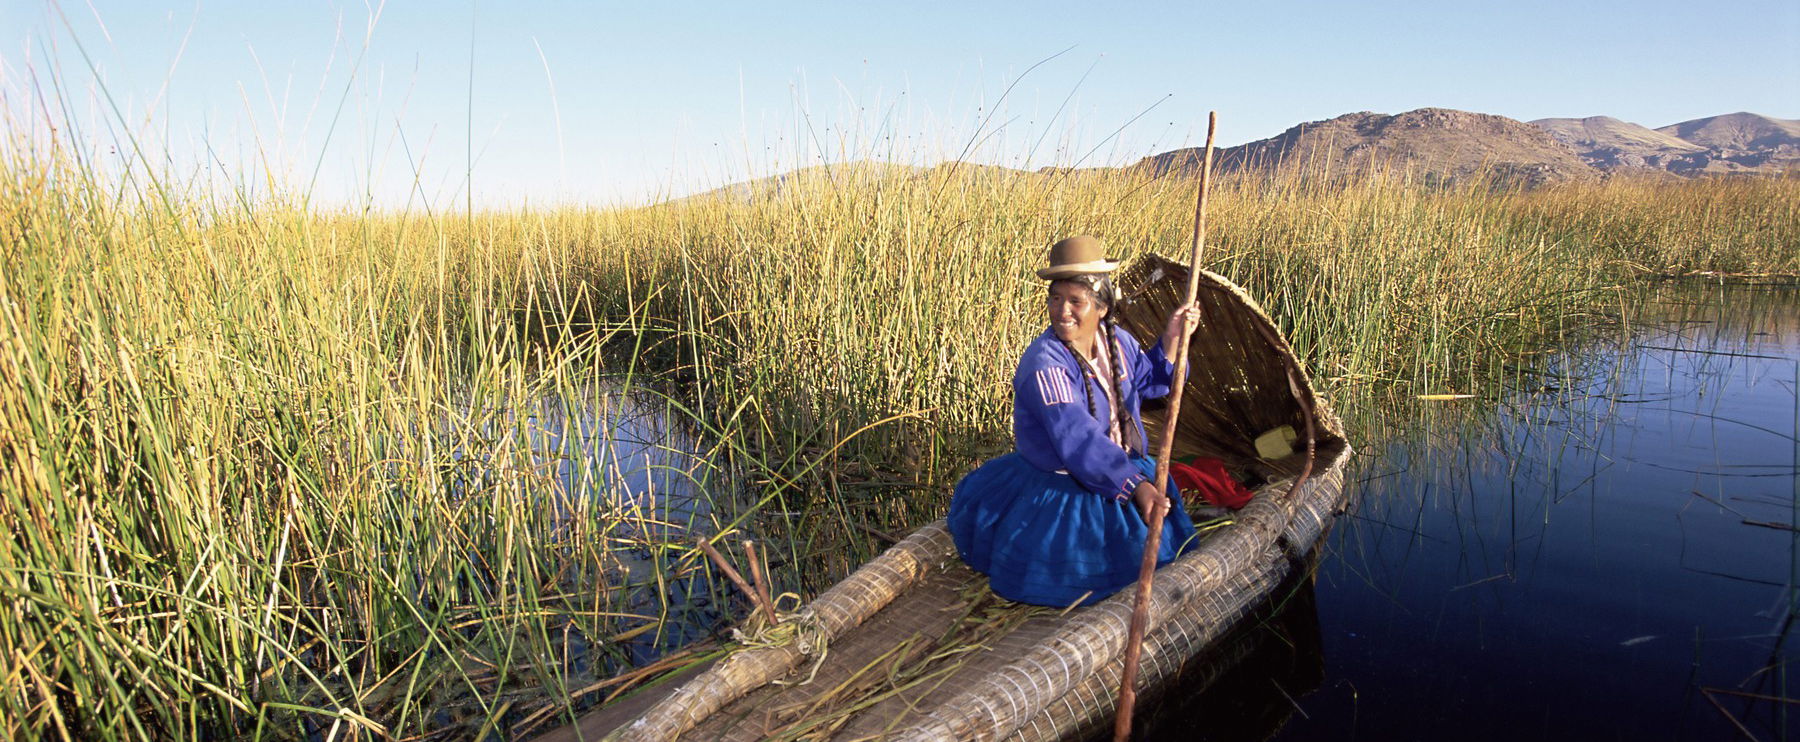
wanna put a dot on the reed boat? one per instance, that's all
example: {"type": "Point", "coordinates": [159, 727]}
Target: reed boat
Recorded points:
{"type": "Point", "coordinates": [913, 645]}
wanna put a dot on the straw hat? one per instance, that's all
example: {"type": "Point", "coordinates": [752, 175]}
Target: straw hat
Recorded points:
{"type": "Point", "coordinates": [1075, 256]}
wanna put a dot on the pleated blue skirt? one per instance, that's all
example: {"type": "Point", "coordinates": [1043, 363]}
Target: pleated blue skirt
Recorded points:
{"type": "Point", "coordinates": [1045, 540]}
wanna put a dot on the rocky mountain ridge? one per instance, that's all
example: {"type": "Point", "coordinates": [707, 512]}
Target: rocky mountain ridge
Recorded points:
{"type": "Point", "coordinates": [1733, 143]}
{"type": "Point", "coordinates": [1433, 144]}
{"type": "Point", "coordinates": [1440, 146]}
{"type": "Point", "coordinates": [1446, 145]}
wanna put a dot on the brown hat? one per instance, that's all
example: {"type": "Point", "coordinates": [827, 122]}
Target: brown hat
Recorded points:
{"type": "Point", "coordinates": [1075, 256]}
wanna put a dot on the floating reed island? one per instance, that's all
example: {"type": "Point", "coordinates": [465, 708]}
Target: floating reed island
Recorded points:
{"type": "Point", "coordinates": [265, 475]}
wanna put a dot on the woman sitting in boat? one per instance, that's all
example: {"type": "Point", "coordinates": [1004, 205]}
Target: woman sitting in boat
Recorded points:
{"type": "Point", "coordinates": [1062, 520]}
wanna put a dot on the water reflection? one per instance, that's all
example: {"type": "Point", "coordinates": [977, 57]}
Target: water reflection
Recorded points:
{"type": "Point", "coordinates": [1244, 688]}
{"type": "Point", "coordinates": [624, 457]}
{"type": "Point", "coordinates": [614, 484]}
{"type": "Point", "coordinates": [625, 454]}
{"type": "Point", "coordinates": [1610, 556]}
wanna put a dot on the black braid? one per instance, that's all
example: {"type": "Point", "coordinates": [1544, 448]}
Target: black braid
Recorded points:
{"type": "Point", "coordinates": [1127, 424]}
{"type": "Point", "coordinates": [1085, 388]}
{"type": "Point", "coordinates": [1109, 334]}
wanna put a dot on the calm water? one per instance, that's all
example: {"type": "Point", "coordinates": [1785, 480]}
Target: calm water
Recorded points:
{"type": "Point", "coordinates": [1601, 558]}
{"type": "Point", "coordinates": [607, 452]}
{"type": "Point", "coordinates": [623, 452]}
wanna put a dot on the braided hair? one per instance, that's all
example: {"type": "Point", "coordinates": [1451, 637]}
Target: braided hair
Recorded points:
{"type": "Point", "coordinates": [1108, 295]}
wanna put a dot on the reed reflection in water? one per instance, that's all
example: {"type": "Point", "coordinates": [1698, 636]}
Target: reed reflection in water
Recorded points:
{"type": "Point", "coordinates": [1610, 555]}
{"type": "Point", "coordinates": [622, 482]}
{"type": "Point", "coordinates": [625, 457]}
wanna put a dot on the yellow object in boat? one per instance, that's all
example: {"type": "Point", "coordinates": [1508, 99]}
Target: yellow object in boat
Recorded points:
{"type": "Point", "coordinates": [1277, 443]}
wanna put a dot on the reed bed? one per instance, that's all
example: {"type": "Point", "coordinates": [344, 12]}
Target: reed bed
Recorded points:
{"type": "Point", "coordinates": [267, 470]}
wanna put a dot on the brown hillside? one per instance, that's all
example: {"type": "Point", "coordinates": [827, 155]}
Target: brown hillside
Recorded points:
{"type": "Point", "coordinates": [1610, 144]}
{"type": "Point", "coordinates": [1436, 144]}
{"type": "Point", "coordinates": [1431, 145]}
{"type": "Point", "coordinates": [1737, 131]}
{"type": "Point", "coordinates": [1739, 143]}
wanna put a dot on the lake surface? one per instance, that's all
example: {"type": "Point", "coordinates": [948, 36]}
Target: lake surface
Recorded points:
{"type": "Point", "coordinates": [1611, 555]}
{"type": "Point", "coordinates": [625, 452]}
{"type": "Point", "coordinates": [611, 462]}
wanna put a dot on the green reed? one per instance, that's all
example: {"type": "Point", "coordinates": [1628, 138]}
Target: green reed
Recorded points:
{"type": "Point", "coordinates": [267, 471]}
{"type": "Point", "coordinates": [853, 295]}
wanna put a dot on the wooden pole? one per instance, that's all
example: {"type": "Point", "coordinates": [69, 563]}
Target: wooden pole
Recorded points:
{"type": "Point", "coordinates": [756, 580]}
{"type": "Point", "coordinates": [736, 579]}
{"type": "Point", "coordinates": [1140, 613]}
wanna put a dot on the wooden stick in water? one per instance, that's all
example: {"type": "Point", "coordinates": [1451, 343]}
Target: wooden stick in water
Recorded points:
{"type": "Point", "coordinates": [732, 574]}
{"type": "Point", "coordinates": [762, 587]}
{"type": "Point", "coordinates": [1140, 613]}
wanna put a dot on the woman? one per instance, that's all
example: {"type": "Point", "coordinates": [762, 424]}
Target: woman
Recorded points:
{"type": "Point", "coordinates": [1062, 519]}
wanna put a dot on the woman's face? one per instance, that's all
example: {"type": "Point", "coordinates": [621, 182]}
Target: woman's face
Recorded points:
{"type": "Point", "coordinates": [1074, 311]}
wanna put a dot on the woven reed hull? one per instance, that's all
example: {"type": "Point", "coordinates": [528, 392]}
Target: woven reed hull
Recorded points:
{"type": "Point", "coordinates": [1202, 620]}
{"type": "Point", "coordinates": [1053, 676]}
{"type": "Point", "coordinates": [904, 618]}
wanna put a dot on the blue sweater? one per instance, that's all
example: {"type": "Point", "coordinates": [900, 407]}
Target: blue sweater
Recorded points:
{"type": "Point", "coordinates": [1052, 428]}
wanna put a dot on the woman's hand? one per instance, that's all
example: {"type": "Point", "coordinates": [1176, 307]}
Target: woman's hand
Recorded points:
{"type": "Point", "coordinates": [1182, 322]}
{"type": "Point", "coordinates": [1148, 499]}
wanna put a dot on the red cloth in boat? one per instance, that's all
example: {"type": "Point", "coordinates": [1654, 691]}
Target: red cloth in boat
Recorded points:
{"type": "Point", "coordinates": [1206, 478]}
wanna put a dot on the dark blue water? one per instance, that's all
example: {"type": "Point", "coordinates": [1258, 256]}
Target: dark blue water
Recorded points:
{"type": "Point", "coordinates": [1608, 556]}
{"type": "Point", "coordinates": [620, 479]}
{"type": "Point", "coordinates": [623, 456]}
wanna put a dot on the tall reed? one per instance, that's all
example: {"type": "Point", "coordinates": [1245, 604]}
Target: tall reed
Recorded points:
{"type": "Point", "coordinates": [269, 470]}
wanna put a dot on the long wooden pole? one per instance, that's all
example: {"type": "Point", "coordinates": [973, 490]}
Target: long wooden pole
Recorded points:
{"type": "Point", "coordinates": [1140, 614]}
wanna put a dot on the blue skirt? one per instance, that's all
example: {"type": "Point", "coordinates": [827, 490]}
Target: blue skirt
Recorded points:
{"type": "Point", "coordinates": [1045, 540]}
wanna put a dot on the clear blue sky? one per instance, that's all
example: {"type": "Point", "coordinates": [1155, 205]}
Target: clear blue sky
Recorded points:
{"type": "Point", "coordinates": [565, 102]}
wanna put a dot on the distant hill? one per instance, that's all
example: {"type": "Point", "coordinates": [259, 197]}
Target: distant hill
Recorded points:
{"type": "Point", "coordinates": [1612, 145]}
{"type": "Point", "coordinates": [1737, 131]}
{"type": "Point", "coordinates": [776, 185]}
{"type": "Point", "coordinates": [1435, 144]}
{"type": "Point", "coordinates": [817, 179]}
{"type": "Point", "coordinates": [1732, 144]}
{"type": "Point", "coordinates": [1440, 145]}
{"type": "Point", "coordinates": [1739, 143]}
